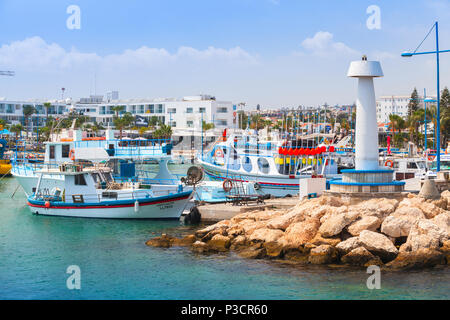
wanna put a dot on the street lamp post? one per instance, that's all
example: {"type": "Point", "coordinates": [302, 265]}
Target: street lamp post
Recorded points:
{"type": "Point", "coordinates": [437, 52]}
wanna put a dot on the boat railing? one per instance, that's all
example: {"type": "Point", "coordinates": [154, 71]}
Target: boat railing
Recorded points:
{"type": "Point", "coordinates": [105, 195]}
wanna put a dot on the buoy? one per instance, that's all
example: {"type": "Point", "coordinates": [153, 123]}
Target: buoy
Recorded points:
{"type": "Point", "coordinates": [389, 163]}
{"type": "Point", "coordinates": [47, 204]}
{"type": "Point", "coordinates": [227, 185]}
{"type": "Point", "coordinates": [72, 154]}
{"type": "Point", "coordinates": [136, 206]}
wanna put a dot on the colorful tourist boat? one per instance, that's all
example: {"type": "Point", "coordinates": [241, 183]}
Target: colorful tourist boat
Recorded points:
{"type": "Point", "coordinates": [93, 193]}
{"type": "Point", "coordinates": [275, 168]}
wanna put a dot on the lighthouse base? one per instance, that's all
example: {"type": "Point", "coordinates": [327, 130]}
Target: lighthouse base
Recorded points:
{"type": "Point", "coordinates": [367, 181]}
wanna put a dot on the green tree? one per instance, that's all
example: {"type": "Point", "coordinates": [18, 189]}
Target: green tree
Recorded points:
{"type": "Point", "coordinates": [445, 98]}
{"type": "Point", "coordinates": [207, 126]}
{"type": "Point", "coordinates": [163, 132]}
{"type": "Point", "coordinates": [242, 119]}
{"type": "Point", "coordinates": [117, 110]}
{"type": "Point", "coordinates": [16, 129]}
{"type": "Point", "coordinates": [414, 103]}
{"type": "Point", "coordinates": [123, 122]}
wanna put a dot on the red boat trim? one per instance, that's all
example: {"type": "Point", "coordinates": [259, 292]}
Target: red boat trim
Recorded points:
{"type": "Point", "coordinates": [106, 206]}
{"type": "Point", "coordinates": [264, 183]}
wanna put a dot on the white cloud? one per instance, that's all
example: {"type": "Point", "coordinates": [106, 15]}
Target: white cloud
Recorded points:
{"type": "Point", "coordinates": [35, 54]}
{"type": "Point", "coordinates": [322, 44]}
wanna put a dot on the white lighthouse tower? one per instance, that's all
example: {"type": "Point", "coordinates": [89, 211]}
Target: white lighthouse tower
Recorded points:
{"type": "Point", "coordinates": [366, 130]}
{"type": "Point", "coordinates": [367, 177]}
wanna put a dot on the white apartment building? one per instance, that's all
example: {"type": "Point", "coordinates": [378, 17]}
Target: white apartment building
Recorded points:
{"type": "Point", "coordinates": [12, 111]}
{"type": "Point", "coordinates": [387, 105]}
{"type": "Point", "coordinates": [187, 112]}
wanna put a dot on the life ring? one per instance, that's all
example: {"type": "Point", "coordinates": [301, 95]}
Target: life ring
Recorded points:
{"type": "Point", "coordinates": [389, 163]}
{"type": "Point", "coordinates": [72, 155]}
{"type": "Point", "coordinates": [257, 186]}
{"type": "Point", "coordinates": [218, 153]}
{"type": "Point", "coordinates": [431, 158]}
{"type": "Point", "coordinates": [227, 185]}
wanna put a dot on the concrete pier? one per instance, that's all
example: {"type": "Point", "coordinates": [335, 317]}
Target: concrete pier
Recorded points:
{"type": "Point", "coordinates": [225, 211]}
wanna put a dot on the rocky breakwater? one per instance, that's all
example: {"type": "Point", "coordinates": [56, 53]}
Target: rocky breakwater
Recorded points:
{"type": "Point", "coordinates": [399, 233]}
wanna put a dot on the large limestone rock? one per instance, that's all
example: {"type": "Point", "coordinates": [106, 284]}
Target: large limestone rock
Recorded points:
{"type": "Point", "coordinates": [361, 257]}
{"type": "Point", "coordinates": [284, 221]}
{"type": "Point", "coordinates": [379, 208]}
{"type": "Point", "coordinates": [253, 252]}
{"type": "Point", "coordinates": [348, 245]}
{"type": "Point", "coordinates": [299, 233]}
{"type": "Point", "coordinates": [421, 258]}
{"type": "Point", "coordinates": [266, 235]}
{"type": "Point", "coordinates": [185, 241]}
{"type": "Point", "coordinates": [199, 247]}
{"type": "Point", "coordinates": [424, 234]}
{"type": "Point", "coordinates": [324, 254]}
{"type": "Point", "coordinates": [164, 241]}
{"type": "Point", "coordinates": [250, 226]}
{"type": "Point", "coordinates": [223, 225]}
{"type": "Point", "coordinates": [443, 221]}
{"type": "Point", "coordinates": [430, 208]}
{"type": "Point", "coordinates": [238, 243]}
{"type": "Point", "coordinates": [219, 243]}
{"type": "Point", "coordinates": [273, 249]}
{"type": "Point", "coordinates": [334, 224]}
{"type": "Point", "coordinates": [400, 222]}
{"type": "Point", "coordinates": [371, 223]}
{"type": "Point", "coordinates": [378, 244]}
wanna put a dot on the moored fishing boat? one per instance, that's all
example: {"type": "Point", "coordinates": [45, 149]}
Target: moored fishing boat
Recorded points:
{"type": "Point", "coordinates": [93, 193]}
{"type": "Point", "coordinates": [275, 168]}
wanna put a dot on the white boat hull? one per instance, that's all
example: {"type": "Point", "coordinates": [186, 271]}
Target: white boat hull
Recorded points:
{"type": "Point", "coordinates": [158, 208]}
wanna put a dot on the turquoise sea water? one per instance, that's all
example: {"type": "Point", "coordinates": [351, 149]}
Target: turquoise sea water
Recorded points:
{"type": "Point", "coordinates": [115, 263]}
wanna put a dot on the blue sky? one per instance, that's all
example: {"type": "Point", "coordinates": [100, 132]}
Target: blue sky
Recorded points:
{"type": "Point", "coordinates": [272, 52]}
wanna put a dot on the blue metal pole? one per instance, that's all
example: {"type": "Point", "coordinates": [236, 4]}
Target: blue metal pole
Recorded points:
{"type": "Point", "coordinates": [438, 113]}
{"type": "Point", "coordinates": [426, 123]}
{"type": "Point", "coordinates": [202, 135]}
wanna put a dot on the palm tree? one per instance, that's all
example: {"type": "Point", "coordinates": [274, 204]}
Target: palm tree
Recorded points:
{"type": "Point", "coordinates": [123, 122]}
{"type": "Point", "coordinates": [164, 132]}
{"type": "Point", "coordinates": [17, 129]}
{"type": "Point", "coordinates": [118, 109]}
{"type": "Point", "coordinates": [28, 111]}
{"type": "Point", "coordinates": [47, 106]}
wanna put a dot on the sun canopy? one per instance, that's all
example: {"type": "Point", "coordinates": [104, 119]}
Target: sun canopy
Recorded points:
{"type": "Point", "coordinates": [5, 131]}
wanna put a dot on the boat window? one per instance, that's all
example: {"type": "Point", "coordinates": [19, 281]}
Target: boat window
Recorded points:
{"type": "Point", "coordinates": [395, 165]}
{"type": "Point", "coordinates": [247, 164]}
{"type": "Point", "coordinates": [97, 178]}
{"type": "Point", "coordinates": [263, 165]}
{"type": "Point", "coordinates": [80, 180]}
{"type": "Point", "coordinates": [421, 164]}
{"type": "Point", "coordinates": [411, 165]}
{"type": "Point", "coordinates": [52, 152]}
{"type": "Point", "coordinates": [65, 150]}
{"type": "Point", "coordinates": [107, 176]}
{"type": "Point", "coordinates": [234, 161]}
